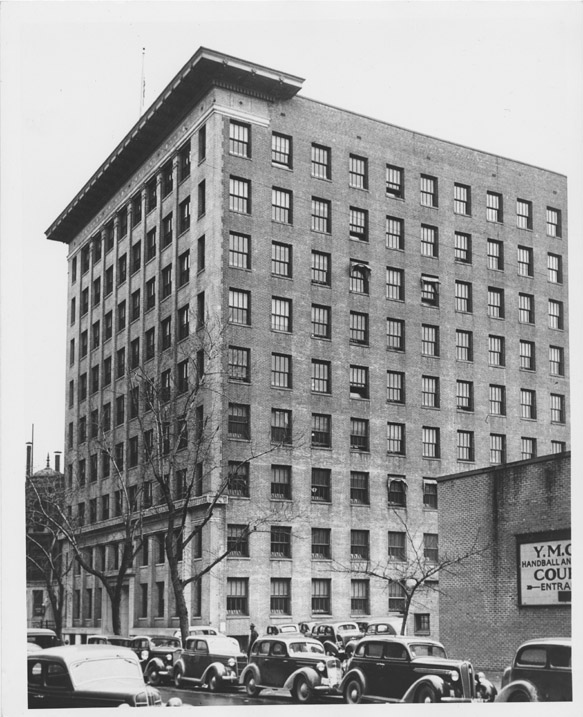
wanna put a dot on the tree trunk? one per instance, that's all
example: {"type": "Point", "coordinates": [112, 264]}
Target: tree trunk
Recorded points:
{"type": "Point", "coordinates": [176, 578]}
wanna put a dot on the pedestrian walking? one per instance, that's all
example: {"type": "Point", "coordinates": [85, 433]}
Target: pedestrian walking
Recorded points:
{"type": "Point", "coordinates": [252, 637]}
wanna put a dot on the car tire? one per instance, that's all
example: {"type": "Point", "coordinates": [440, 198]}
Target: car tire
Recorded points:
{"type": "Point", "coordinates": [213, 682]}
{"type": "Point", "coordinates": [302, 691]}
{"type": "Point", "coordinates": [251, 685]}
{"type": "Point", "coordinates": [519, 696]}
{"type": "Point", "coordinates": [426, 693]}
{"type": "Point", "coordinates": [178, 682]}
{"type": "Point", "coordinates": [353, 691]}
{"type": "Point", "coordinates": [153, 676]}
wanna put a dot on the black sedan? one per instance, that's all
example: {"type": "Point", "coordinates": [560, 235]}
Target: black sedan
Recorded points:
{"type": "Point", "coordinates": [212, 661]}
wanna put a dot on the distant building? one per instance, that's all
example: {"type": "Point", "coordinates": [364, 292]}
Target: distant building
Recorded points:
{"type": "Point", "coordinates": [396, 308]}
{"type": "Point", "coordinates": [520, 588]}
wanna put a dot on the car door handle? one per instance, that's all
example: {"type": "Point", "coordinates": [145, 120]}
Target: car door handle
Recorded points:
{"type": "Point", "coordinates": [379, 664]}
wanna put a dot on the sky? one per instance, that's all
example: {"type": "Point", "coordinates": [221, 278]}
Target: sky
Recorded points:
{"type": "Point", "coordinates": [503, 77]}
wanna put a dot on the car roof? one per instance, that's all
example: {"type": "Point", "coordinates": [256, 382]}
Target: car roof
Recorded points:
{"type": "Point", "coordinates": [39, 631]}
{"type": "Point", "coordinates": [563, 641]}
{"type": "Point", "coordinates": [73, 653]}
{"type": "Point", "coordinates": [289, 637]}
{"type": "Point", "coordinates": [335, 623]}
{"type": "Point", "coordinates": [404, 639]}
{"type": "Point", "coordinates": [212, 638]}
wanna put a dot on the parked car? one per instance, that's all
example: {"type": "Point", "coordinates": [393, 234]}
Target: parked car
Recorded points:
{"type": "Point", "coordinates": [87, 676]}
{"type": "Point", "coordinates": [540, 672]}
{"type": "Point", "coordinates": [213, 661]}
{"type": "Point", "coordinates": [288, 628]}
{"type": "Point", "coordinates": [109, 640]}
{"type": "Point", "coordinates": [335, 636]}
{"type": "Point", "coordinates": [410, 669]}
{"type": "Point", "coordinates": [375, 626]}
{"type": "Point", "coordinates": [157, 655]}
{"type": "Point", "coordinates": [291, 662]}
{"type": "Point", "coordinates": [42, 637]}
{"type": "Point", "coordinates": [199, 630]}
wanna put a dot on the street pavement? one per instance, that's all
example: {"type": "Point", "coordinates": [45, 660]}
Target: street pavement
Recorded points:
{"type": "Point", "coordinates": [237, 696]}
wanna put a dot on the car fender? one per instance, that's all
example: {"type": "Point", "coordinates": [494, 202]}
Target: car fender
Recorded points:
{"type": "Point", "coordinates": [507, 692]}
{"type": "Point", "coordinates": [254, 670]}
{"type": "Point", "coordinates": [435, 681]}
{"type": "Point", "coordinates": [158, 662]}
{"type": "Point", "coordinates": [311, 675]}
{"type": "Point", "coordinates": [217, 667]}
{"type": "Point", "coordinates": [332, 648]}
{"type": "Point", "coordinates": [487, 690]}
{"type": "Point", "coordinates": [356, 672]}
{"type": "Point", "coordinates": [179, 664]}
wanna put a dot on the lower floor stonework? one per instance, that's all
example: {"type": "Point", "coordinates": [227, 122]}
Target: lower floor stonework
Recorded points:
{"type": "Point", "coordinates": [518, 584]}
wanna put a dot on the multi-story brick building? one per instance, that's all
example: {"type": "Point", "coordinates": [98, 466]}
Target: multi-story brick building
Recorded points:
{"type": "Point", "coordinates": [396, 308]}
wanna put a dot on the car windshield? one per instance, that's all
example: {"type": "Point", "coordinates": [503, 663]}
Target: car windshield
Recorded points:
{"type": "Point", "coordinates": [111, 668]}
{"type": "Point", "coordinates": [426, 649]}
{"type": "Point", "coordinates": [348, 626]}
{"type": "Point", "coordinates": [296, 648]}
{"type": "Point", "coordinates": [165, 642]}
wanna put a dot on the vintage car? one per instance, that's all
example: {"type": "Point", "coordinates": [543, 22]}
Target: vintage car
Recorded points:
{"type": "Point", "coordinates": [284, 629]}
{"type": "Point", "coordinates": [87, 676]}
{"type": "Point", "coordinates": [109, 640]}
{"type": "Point", "coordinates": [42, 636]}
{"type": "Point", "coordinates": [375, 626]}
{"type": "Point", "coordinates": [291, 662]}
{"type": "Point", "coordinates": [212, 661]}
{"type": "Point", "coordinates": [199, 630]}
{"type": "Point", "coordinates": [157, 655]}
{"type": "Point", "coordinates": [410, 669]}
{"type": "Point", "coordinates": [540, 672]}
{"type": "Point", "coordinates": [335, 636]}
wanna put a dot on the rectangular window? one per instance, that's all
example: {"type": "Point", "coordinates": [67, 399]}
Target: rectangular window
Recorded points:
{"type": "Point", "coordinates": [239, 307]}
{"type": "Point", "coordinates": [495, 303]}
{"type": "Point", "coordinates": [359, 545]}
{"type": "Point", "coordinates": [494, 208]}
{"type": "Point", "coordinates": [397, 491]}
{"type": "Point", "coordinates": [166, 282]}
{"type": "Point", "coordinates": [429, 340]}
{"type": "Point", "coordinates": [184, 162]}
{"type": "Point", "coordinates": [525, 261]}
{"type": "Point", "coordinates": [430, 547]}
{"type": "Point", "coordinates": [238, 541]}
{"type": "Point", "coordinates": [430, 442]}
{"type": "Point", "coordinates": [495, 254]}
{"type": "Point", "coordinates": [237, 596]}
{"type": "Point", "coordinates": [240, 195]}
{"type": "Point", "coordinates": [85, 301]}
{"type": "Point", "coordinates": [558, 447]}
{"type": "Point", "coordinates": [281, 482]}
{"type": "Point", "coordinates": [281, 373]}
{"type": "Point", "coordinates": [167, 179]}
{"type": "Point", "coordinates": [497, 400]}
{"type": "Point", "coordinates": [555, 267]}
{"type": "Point", "coordinates": [359, 490]}
{"type": "Point", "coordinates": [395, 182]}
{"type": "Point", "coordinates": [135, 305]}
{"type": "Point", "coordinates": [108, 281]}
{"type": "Point", "coordinates": [239, 139]}
{"type": "Point", "coordinates": [429, 290]}
{"type": "Point", "coordinates": [464, 345]}
{"type": "Point", "coordinates": [465, 446]}
{"type": "Point", "coordinates": [280, 597]}
{"type": "Point", "coordinates": [463, 248]}
{"type": "Point", "coordinates": [136, 257]}
{"type": "Point", "coordinates": [430, 391]}
{"type": "Point", "coordinates": [526, 308]}
{"type": "Point", "coordinates": [557, 408]}
{"type": "Point", "coordinates": [429, 494]}
{"type": "Point", "coordinates": [428, 186]}
{"type": "Point", "coordinates": [497, 448]}
{"type": "Point", "coordinates": [239, 364]}
{"type": "Point", "coordinates": [359, 434]}
{"type": "Point", "coordinates": [359, 382]}
{"type": "Point", "coordinates": [135, 353]}
{"type": "Point", "coordinates": [201, 190]}
{"type": "Point", "coordinates": [496, 351]}
{"type": "Point", "coordinates": [321, 162]}
{"type": "Point", "coordinates": [321, 430]}
{"type": "Point", "coordinates": [150, 339]}
{"type": "Point", "coordinates": [553, 222]}
{"type": "Point", "coordinates": [281, 206]}
{"type": "Point", "coordinates": [200, 253]}
{"type": "Point", "coordinates": [463, 297]}
{"type": "Point", "coordinates": [555, 314]}
{"type": "Point", "coordinates": [183, 328]}
{"type": "Point", "coordinates": [239, 423]}
{"type": "Point", "coordinates": [523, 214]}
{"type": "Point", "coordinates": [321, 485]}
{"type": "Point", "coordinates": [321, 273]}
{"type": "Point", "coordinates": [183, 220]}
{"type": "Point", "coordinates": [396, 438]}
{"type": "Point", "coordinates": [359, 597]}
{"type": "Point", "coordinates": [96, 292]}
{"type": "Point", "coordinates": [281, 150]}
{"type": "Point", "coordinates": [184, 268]}
{"type": "Point", "coordinates": [281, 259]}
{"type": "Point", "coordinates": [238, 479]}
{"type": "Point", "coordinates": [358, 224]}
{"type": "Point", "coordinates": [429, 241]}
{"type": "Point", "coordinates": [395, 387]}
{"type": "Point", "coordinates": [321, 215]}
{"type": "Point", "coordinates": [395, 334]}
{"type": "Point", "coordinates": [557, 360]}
{"type": "Point", "coordinates": [359, 275]}
{"type": "Point", "coordinates": [462, 199]}
{"type": "Point", "coordinates": [239, 250]}
{"type": "Point", "coordinates": [394, 233]}
{"type": "Point", "coordinates": [358, 172]}
{"type": "Point", "coordinates": [321, 600]}
{"type": "Point", "coordinates": [527, 403]}
{"type": "Point", "coordinates": [280, 541]}
{"type": "Point", "coordinates": [166, 333]}
{"type": "Point", "coordinates": [321, 543]}
{"type": "Point", "coordinates": [464, 395]}
{"type": "Point", "coordinates": [527, 355]}
{"type": "Point", "coordinates": [321, 376]}
{"type": "Point", "coordinates": [321, 322]}
{"type": "Point", "coordinates": [397, 546]}
{"type": "Point", "coordinates": [527, 448]}
{"type": "Point", "coordinates": [168, 224]}
{"type": "Point", "coordinates": [397, 597]}
{"type": "Point", "coordinates": [395, 284]}
{"type": "Point", "coordinates": [281, 314]}
{"type": "Point", "coordinates": [358, 328]}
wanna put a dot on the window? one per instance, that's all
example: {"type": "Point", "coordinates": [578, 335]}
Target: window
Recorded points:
{"type": "Point", "coordinates": [465, 446]}
{"type": "Point", "coordinates": [321, 430]}
{"type": "Point", "coordinates": [495, 303]}
{"type": "Point", "coordinates": [281, 206]}
{"type": "Point", "coordinates": [464, 345]}
{"type": "Point", "coordinates": [396, 438]}
{"type": "Point", "coordinates": [239, 364]}
{"type": "Point", "coordinates": [184, 223]}
{"type": "Point", "coordinates": [430, 547]}
{"type": "Point", "coordinates": [359, 382]}
{"type": "Point", "coordinates": [497, 448]}
{"type": "Point", "coordinates": [527, 355]}
{"type": "Point", "coordinates": [430, 391]}
{"type": "Point", "coordinates": [281, 375]}
{"type": "Point", "coordinates": [108, 235]}
{"type": "Point", "coordinates": [358, 328]}
{"type": "Point", "coordinates": [527, 403]}
{"type": "Point", "coordinates": [237, 596]}
{"type": "Point", "coordinates": [281, 314]}
{"type": "Point", "coordinates": [430, 442]}
{"type": "Point", "coordinates": [84, 344]}
{"type": "Point", "coordinates": [200, 312]}
{"type": "Point", "coordinates": [397, 546]}
{"type": "Point", "coordinates": [359, 274]}
{"type": "Point", "coordinates": [527, 448]}
{"type": "Point", "coordinates": [119, 410]}
{"type": "Point", "coordinates": [358, 224]}
{"type": "Point", "coordinates": [84, 301]}
{"type": "Point", "coordinates": [359, 434]}
{"type": "Point", "coordinates": [239, 421]}
{"type": "Point", "coordinates": [321, 321]}
{"type": "Point", "coordinates": [281, 259]}
{"type": "Point", "coordinates": [526, 308]}
{"type": "Point", "coordinates": [239, 307]}
{"type": "Point", "coordinates": [321, 482]}
{"type": "Point", "coordinates": [462, 199]}
{"type": "Point", "coordinates": [166, 282]}
{"type": "Point", "coordinates": [557, 360]}
{"type": "Point", "coordinates": [108, 281]}
{"type": "Point", "coordinates": [397, 596]}
{"type": "Point", "coordinates": [82, 429]}
{"type": "Point", "coordinates": [422, 623]}
{"type": "Point", "coordinates": [238, 479]}
{"type": "Point", "coordinates": [200, 253]}
{"type": "Point", "coordinates": [558, 447]}
{"type": "Point", "coordinates": [281, 426]}
{"type": "Point", "coordinates": [321, 215]}
{"type": "Point", "coordinates": [464, 395]}
{"type": "Point", "coordinates": [321, 543]}
{"type": "Point", "coordinates": [359, 545]}
{"type": "Point", "coordinates": [82, 387]}
{"type": "Point", "coordinates": [497, 400]}
{"type": "Point", "coordinates": [123, 222]}
{"type": "Point", "coordinates": [429, 290]}
{"type": "Point", "coordinates": [280, 598]}
{"type": "Point", "coordinates": [135, 305]}
{"type": "Point", "coordinates": [557, 408]}
{"type": "Point", "coordinates": [463, 297]}
{"type": "Point", "coordinates": [321, 162]}
{"type": "Point", "coordinates": [240, 195]}
{"type": "Point", "coordinates": [429, 494]}
{"type": "Point", "coordinates": [395, 233]}
{"type": "Point", "coordinates": [238, 541]}
{"type": "Point", "coordinates": [150, 340]}
{"type": "Point", "coordinates": [96, 292]}
{"type": "Point", "coordinates": [321, 273]}
{"type": "Point", "coordinates": [395, 334]}
{"type": "Point", "coordinates": [359, 490]}
{"type": "Point", "coordinates": [166, 333]}
{"type": "Point", "coordinates": [151, 294]}
{"type": "Point", "coordinates": [321, 376]}
{"type": "Point", "coordinates": [523, 214]}
{"type": "Point", "coordinates": [119, 454]}
{"type": "Point", "coordinates": [281, 150]}
{"type": "Point", "coordinates": [495, 250]}
{"type": "Point", "coordinates": [184, 268]}
{"type": "Point", "coordinates": [359, 597]}
{"type": "Point", "coordinates": [135, 353]}
{"type": "Point", "coordinates": [553, 222]}
{"type": "Point", "coordinates": [239, 139]}
{"type": "Point", "coordinates": [395, 284]}
{"type": "Point", "coordinates": [555, 267]}
{"type": "Point", "coordinates": [183, 328]}
{"type": "Point", "coordinates": [321, 597]}
{"type": "Point", "coordinates": [358, 172]}
{"type": "Point", "coordinates": [429, 241]}
{"type": "Point", "coordinates": [184, 162]}
{"type": "Point", "coordinates": [281, 482]}
{"type": "Point", "coordinates": [494, 208]}
{"type": "Point", "coordinates": [167, 179]}
{"type": "Point", "coordinates": [239, 250]}
{"type": "Point", "coordinates": [280, 541]}
{"type": "Point", "coordinates": [395, 387]}
{"type": "Point", "coordinates": [395, 184]}
{"type": "Point", "coordinates": [525, 262]}
{"type": "Point", "coordinates": [106, 417]}
{"type": "Point", "coordinates": [463, 248]}
{"type": "Point", "coordinates": [429, 340]}
{"type": "Point", "coordinates": [496, 351]}
{"type": "Point", "coordinates": [122, 268]}
{"type": "Point", "coordinates": [397, 491]}
{"type": "Point", "coordinates": [555, 314]}
{"type": "Point", "coordinates": [121, 315]}
{"type": "Point", "coordinates": [428, 187]}
{"type": "Point", "coordinates": [85, 258]}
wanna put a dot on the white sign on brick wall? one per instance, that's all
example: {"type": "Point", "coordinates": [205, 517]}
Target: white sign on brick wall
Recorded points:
{"type": "Point", "coordinates": [545, 572]}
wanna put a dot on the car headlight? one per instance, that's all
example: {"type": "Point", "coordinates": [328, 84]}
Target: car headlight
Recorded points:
{"type": "Point", "coordinates": [169, 657]}
{"type": "Point", "coordinates": [321, 667]}
{"type": "Point", "coordinates": [144, 655]}
{"type": "Point", "coordinates": [231, 662]}
{"type": "Point", "coordinates": [454, 676]}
